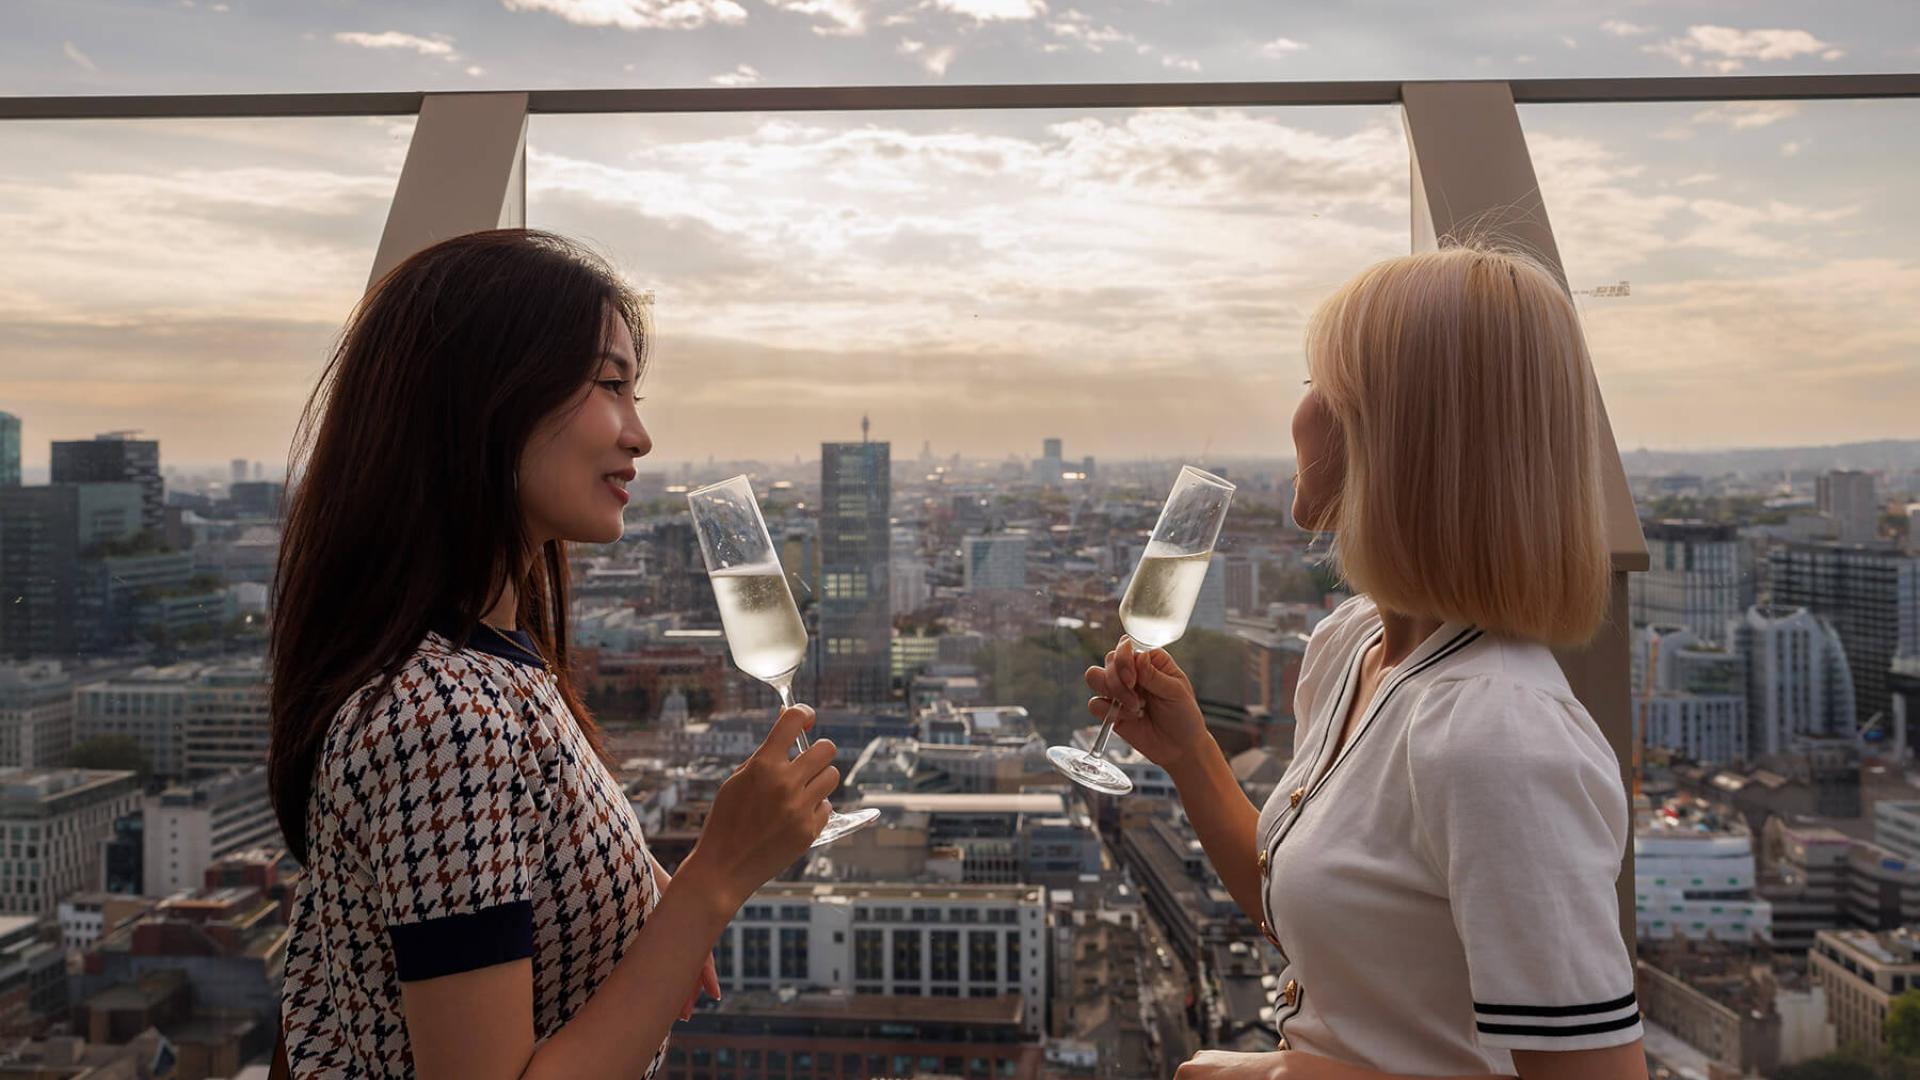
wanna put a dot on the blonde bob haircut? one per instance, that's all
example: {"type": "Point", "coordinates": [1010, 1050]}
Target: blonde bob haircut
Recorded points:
{"type": "Point", "coordinates": [1470, 421]}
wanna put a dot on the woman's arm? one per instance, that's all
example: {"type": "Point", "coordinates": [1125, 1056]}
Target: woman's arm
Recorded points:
{"type": "Point", "coordinates": [709, 978]}
{"type": "Point", "coordinates": [1160, 717]}
{"type": "Point", "coordinates": [479, 1024]}
{"type": "Point", "coordinates": [1226, 822]}
{"type": "Point", "coordinates": [1628, 1062]}
{"type": "Point", "coordinates": [1624, 1062]}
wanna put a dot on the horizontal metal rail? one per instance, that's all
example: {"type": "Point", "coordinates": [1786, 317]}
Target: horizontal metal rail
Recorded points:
{"type": "Point", "coordinates": [1011, 96]}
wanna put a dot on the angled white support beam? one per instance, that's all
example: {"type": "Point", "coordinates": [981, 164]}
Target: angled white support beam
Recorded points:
{"type": "Point", "coordinates": [1473, 176]}
{"type": "Point", "coordinates": [466, 170]}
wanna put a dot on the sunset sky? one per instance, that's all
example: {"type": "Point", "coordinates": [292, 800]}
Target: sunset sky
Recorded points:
{"type": "Point", "coordinates": [1133, 282]}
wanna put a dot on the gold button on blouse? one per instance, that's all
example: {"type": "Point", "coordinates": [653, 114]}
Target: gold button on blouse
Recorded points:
{"type": "Point", "coordinates": [1268, 931]}
{"type": "Point", "coordinates": [1294, 799]}
{"type": "Point", "coordinates": [1282, 1044]}
{"type": "Point", "coordinates": [1291, 992]}
{"type": "Point", "coordinates": [1263, 860]}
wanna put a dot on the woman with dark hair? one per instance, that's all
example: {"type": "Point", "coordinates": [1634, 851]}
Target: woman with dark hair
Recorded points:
{"type": "Point", "coordinates": [478, 898]}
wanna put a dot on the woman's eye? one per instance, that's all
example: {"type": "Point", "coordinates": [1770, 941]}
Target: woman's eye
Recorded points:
{"type": "Point", "coordinates": [615, 385]}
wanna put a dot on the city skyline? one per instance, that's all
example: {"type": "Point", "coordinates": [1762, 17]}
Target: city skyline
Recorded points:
{"type": "Point", "coordinates": [1135, 281]}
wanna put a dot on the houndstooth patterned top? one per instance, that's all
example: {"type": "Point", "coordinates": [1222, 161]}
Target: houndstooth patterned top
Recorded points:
{"type": "Point", "coordinates": [462, 821]}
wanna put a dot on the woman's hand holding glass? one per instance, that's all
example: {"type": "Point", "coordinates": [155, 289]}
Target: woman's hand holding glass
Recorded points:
{"type": "Point", "coordinates": [1155, 709]}
{"type": "Point", "coordinates": [766, 815]}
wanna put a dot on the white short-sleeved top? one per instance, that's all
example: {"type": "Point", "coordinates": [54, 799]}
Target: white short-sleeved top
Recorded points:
{"type": "Point", "coordinates": [1442, 890]}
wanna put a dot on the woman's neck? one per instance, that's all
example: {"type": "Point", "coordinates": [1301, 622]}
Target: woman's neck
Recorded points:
{"type": "Point", "coordinates": [1401, 634]}
{"type": "Point", "coordinates": [505, 611]}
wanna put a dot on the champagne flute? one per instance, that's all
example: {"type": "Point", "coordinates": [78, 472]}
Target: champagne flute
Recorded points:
{"type": "Point", "coordinates": [764, 632]}
{"type": "Point", "coordinates": [1158, 603]}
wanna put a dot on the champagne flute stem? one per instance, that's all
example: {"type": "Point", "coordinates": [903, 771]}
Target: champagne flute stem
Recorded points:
{"type": "Point", "coordinates": [1106, 730]}
{"type": "Point", "coordinates": [785, 688]}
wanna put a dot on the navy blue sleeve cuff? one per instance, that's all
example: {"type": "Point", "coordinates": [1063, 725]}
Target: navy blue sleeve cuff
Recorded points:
{"type": "Point", "coordinates": [455, 943]}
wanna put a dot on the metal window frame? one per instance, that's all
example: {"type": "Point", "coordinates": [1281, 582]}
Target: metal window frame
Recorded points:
{"type": "Point", "coordinates": [466, 170]}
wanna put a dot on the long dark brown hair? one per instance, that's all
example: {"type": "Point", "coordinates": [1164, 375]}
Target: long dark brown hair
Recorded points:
{"type": "Point", "coordinates": [403, 509]}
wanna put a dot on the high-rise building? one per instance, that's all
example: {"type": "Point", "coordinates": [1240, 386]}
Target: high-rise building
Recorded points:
{"type": "Point", "coordinates": [1863, 972]}
{"type": "Point", "coordinates": [36, 714]}
{"type": "Point", "coordinates": [1694, 875]}
{"type": "Point", "coordinates": [44, 533]}
{"type": "Point", "coordinates": [1846, 497]}
{"type": "Point", "coordinates": [1210, 607]}
{"type": "Point", "coordinates": [854, 642]}
{"type": "Point", "coordinates": [1694, 579]}
{"type": "Point", "coordinates": [237, 470]}
{"type": "Point", "coordinates": [1690, 695]}
{"type": "Point", "coordinates": [996, 561]}
{"type": "Point", "coordinates": [189, 827]}
{"type": "Point", "coordinates": [1872, 598]}
{"type": "Point", "coordinates": [949, 940]}
{"type": "Point", "coordinates": [227, 719]}
{"type": "Point", "coordinates": [1049, 465]}
{"type": "Point", "coordinates": [1798, 682]}
{"type": "Point", "coordinates": [60, 818]}
{"type": "Point", "coordinates": [113, 458]}
{"type": "Point", "coordinates": [9, 450]}
{"type": "Point", "coordinates": [147, 705]}
{"type": "Point", "coordinates": [910, 591]}
{"type": "Point", "coordinates": [1243, 584]}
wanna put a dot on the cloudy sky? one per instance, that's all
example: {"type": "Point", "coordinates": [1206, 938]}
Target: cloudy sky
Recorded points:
{"type": "Point", "coordinates": [1134, 282]}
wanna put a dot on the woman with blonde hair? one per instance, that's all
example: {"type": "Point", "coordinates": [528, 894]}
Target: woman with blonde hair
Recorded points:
{"type": "Point", "coordinates": [1437, 866]}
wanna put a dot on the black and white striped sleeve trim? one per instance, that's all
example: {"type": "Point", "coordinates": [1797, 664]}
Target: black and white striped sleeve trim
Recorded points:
{"type": "Point", "coordinates": [1555, 1023]}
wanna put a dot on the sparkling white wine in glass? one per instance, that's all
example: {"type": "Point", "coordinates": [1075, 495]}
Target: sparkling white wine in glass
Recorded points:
{"type": "Point", "coordinates": [1160, 599]}
{"type": "Point", "coordinates": [1158, 603]}
{"type": "Point", "coordinates": [764, 632]}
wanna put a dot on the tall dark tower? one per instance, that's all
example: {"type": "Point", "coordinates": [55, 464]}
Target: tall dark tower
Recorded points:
{"type": "Point", "coordinates": [856, 632]}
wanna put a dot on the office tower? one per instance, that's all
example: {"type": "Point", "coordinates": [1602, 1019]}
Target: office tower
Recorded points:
{"type": "Point", "coordinates": [1243, 584]}
{"type": "Point", "coordinates": [189, 827]}
{"type": "Point", "coordinates": [1048, 467]}
{"type": "Point", "coordinates": [9, 450]}
{"type": "Point", "coordinates": [114, 458]}
{"type": "Point", "coordinates": [1690, 695]}
{"type": "Point", "coordinates": [1872, 600]}
{"type": "Point", "coordinates": [855, 629]}
{"type": "Point", "coordinates": [44, 532]}
{"type": "Point", "coordinates": [226, 718]}
{"type": "Point", "coordinates": [1694, 579]}
{"type": "Point", "coordinates": [237, 471]}
{"type": "Point", "coordinates": [1798, 682]}
{"type": "Point", "coordinates": [36, 713]}
{"type": "Point", "coordinates": [61, 817]}
{"type": "Point", "coordinates": [1846, 496]}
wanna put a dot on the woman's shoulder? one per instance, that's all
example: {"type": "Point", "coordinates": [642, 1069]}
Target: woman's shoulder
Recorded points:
{"type": "Point", "coordinates": [1505, 705]}
{"type": "Point", "coordinates": [439, 693]}
{"type": "Point", "coordinates": [1352, 618]}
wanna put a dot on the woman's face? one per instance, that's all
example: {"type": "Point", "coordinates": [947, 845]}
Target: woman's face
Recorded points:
{"type": "Point", "coordinates": [1320, 454]}
{"type": "Point", "coordinates": [577, 465]}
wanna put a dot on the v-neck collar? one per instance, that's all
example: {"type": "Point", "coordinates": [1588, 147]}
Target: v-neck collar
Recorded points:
{"type": "Point", "coordinates": [1450, 638]}
{"type": "Point", "coordinates": [487, 640]}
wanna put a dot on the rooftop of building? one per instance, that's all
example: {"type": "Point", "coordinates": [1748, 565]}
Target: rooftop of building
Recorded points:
{"type": "Point", "coordinates": [966, 803]}
{"type": "Point", "coordinates": [1006, 1009]}
{"type": "Point", "coordinates": [1684, 817]}
{"type": "Point", "coordinates": [1894, 947]}
{"type": "Point", "coordinates": [23, 785]}
{"type": "Point", "coordinates": [890, 891]}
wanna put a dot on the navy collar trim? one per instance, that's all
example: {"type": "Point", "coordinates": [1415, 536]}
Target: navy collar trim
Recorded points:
{"type": "Point", "coordinates": [484, 639]}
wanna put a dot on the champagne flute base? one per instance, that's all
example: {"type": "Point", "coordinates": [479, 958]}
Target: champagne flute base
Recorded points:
{"type": "Point", "coordinates": [1089, 771]}
{"type": "Point", "coordinates": [842, 825]}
